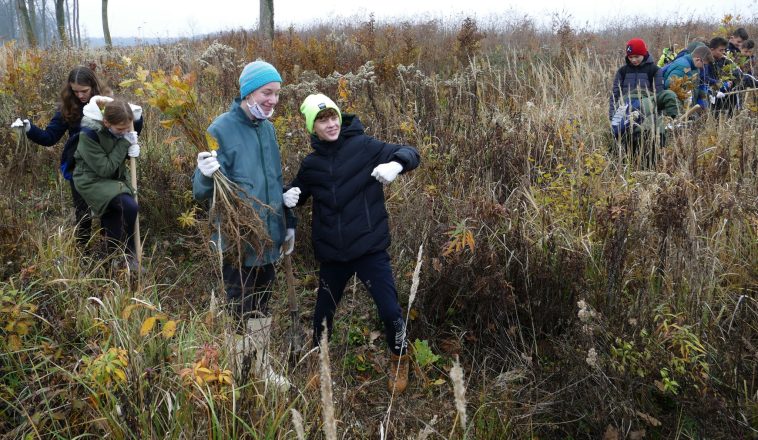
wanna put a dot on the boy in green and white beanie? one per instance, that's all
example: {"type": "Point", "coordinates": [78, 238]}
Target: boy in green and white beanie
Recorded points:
{"type": "Point", "coordinates": [346, 174]}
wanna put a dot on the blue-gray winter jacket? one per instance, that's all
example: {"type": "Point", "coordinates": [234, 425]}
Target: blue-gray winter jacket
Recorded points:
{"type": "Point", "coordinates": [249, 156]}
{"type": "Point", "coordinates": [349, 216]}
{"type": "Point", "coordinates": [646, 78]}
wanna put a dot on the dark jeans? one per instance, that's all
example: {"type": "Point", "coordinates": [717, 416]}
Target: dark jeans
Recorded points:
{"type": "Point", "coordinates": [83, 217]}
{"type": "Point", "coordinates": [118, 222]}
{"type": "Point", "coordinates": [375, 273]}
{"type": "Point", "coordinates": [248, 289]}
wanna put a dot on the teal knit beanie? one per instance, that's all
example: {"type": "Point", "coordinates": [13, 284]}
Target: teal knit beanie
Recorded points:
{"type": "Point", "coordinates": [255, 75]}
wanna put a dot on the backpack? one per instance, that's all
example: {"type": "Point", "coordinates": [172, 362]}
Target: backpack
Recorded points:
{"type": "Point", "coordinates": [667, 56]}
{"type": "Point", "coordinates": [627, 115]}
{"type": "Point", "coordinates": [67, 157]}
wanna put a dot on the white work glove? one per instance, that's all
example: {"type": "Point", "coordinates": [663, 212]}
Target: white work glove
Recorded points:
{"type": "Point", "coordinates": [133, 150]}
{"type": "Point", "coordinates": [291, 197]}
{"type": "Point", "coordinates": [387, 172]}
{"type": "Point", "coordinates": [22, 123]}
{"type": "Point", "coordinates": [720, 95]}
{"type": "Point", "coordinates": [289, 241]}
{"type": "Point", "coordinates": [207, 163]}
{"type": "Point", "coordinates": [136, 111]}
{"type": "Point", "coordinates": [131, 137]}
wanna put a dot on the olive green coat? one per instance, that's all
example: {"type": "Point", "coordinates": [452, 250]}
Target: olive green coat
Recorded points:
{"type": "Point", "coordinates": [100, 173]}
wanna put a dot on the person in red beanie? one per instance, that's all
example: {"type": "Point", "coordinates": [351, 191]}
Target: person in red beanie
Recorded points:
{"type": "Point", "coordinates": [633, 106]}
{"type": "Point", "coordinates": [640, 73]}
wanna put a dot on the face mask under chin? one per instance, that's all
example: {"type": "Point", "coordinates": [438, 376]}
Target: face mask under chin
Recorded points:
{"type": "Point", "coordinates": [258, 112]}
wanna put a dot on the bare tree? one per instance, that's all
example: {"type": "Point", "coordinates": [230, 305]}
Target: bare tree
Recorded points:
{"type": "Point", "coordinates": [69, 28]}
{"type": "Point", "coordinates": [44, 22]}
{"type": "Point", "coordinates": [60, 20]}
{"type": "Point", "coordinates": [33, 17]}
{"type": "Point", "coordinates": [76, 23]}
{"type": "Point", "coordinates": [23, 14]}
{"type": "Point", "coordinates": [106, 30]}
{"type": "Point", "coordinates": [8, 16]}
{"type": "Point", "coordinates": [266, 25]}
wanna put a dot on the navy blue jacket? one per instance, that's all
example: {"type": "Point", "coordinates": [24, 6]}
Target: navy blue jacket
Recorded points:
{"type": "Point", "coordinates": [646, 77]}
{"type": "Point", "coordinates": [54, 132]}
{"type": "Point", "coordinates": [349, 216]}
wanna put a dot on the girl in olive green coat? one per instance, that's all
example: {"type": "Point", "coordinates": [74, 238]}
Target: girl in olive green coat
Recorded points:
{"type": "Point", "coordinates": [100, 175]}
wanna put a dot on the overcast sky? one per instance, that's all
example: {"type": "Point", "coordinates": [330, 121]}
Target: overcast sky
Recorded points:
{"type": "Point", "coordinates": [182, 18]}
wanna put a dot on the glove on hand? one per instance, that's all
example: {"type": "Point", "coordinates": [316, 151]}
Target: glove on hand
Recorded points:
{"type": "Point", "coordinates": [133, 150]}
{"type": "Point", "coordinates": [136, 111]}
{"type": "Point", "coordinates": [131, 137]}
{"type": "Point", "coordinates": [22, 123]}
{"type": "Point", "coordinates": [289, 241]}
{"type": "Point", "coordinates": [207, 163]}
{"type": "Point", "coordinates": [291, 197]}
{"type": "Point", "coordinates": [387, 172]}
{"type": "Point", "coordinates": [720, 95]}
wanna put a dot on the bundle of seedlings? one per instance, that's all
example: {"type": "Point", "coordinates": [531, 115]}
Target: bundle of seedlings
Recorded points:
{"type": "Point", "coordinates": [236, 216]}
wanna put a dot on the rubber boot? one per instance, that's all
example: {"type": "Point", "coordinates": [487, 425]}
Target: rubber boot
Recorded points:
{"type": "Point", "coordinates": [259, 332]}
{"type": "Point", "coordinates": [398, 377]}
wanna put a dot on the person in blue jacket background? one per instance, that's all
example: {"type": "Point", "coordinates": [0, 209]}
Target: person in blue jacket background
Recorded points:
{"type": "Point", "coordinates": [345, 175]}
{"type": "Point", "coordinates": [689, 65]}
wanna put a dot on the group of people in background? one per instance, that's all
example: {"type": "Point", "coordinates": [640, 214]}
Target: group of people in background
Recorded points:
{"type": "Point", "coordinates": [707, 76]}
{"type": "Point", "coordinates": [344, 175]}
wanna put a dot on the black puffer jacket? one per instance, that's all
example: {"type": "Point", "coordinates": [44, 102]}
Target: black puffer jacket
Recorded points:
{"type": "Point", "coordinates": [349, 216]}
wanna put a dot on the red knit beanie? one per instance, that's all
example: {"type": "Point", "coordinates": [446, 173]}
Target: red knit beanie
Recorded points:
{"type": "Point", "coordinates": [636, 46]}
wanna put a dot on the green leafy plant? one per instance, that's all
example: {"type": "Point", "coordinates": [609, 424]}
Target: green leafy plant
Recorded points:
{"type": "Point", "coordinates": [423, 354]}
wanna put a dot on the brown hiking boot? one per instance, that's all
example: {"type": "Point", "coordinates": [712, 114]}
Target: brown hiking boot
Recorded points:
{"type": "Point", "coordinates": [398, 377]}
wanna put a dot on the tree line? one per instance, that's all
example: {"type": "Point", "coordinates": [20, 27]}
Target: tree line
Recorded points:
{"type": "Point", "coordinates": [46, 22]}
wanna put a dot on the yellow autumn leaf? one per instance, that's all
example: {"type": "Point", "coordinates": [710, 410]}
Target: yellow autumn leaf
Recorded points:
{"type": "Point", "coordinates": [127, 312]}
{"type": "Point", "coordinates": [169, 329]}
{"type": "Point", "coordinates": [127, 83]}
{"type": "Point", "coordinates": [22, 328]}
{"type": "Point", "coordinates": [14, 342]}
{"type": "Point", "coordinates": [168, 123]}
{"type": "Point", "coordinates": [147, 326]}
{"type": "Point", "coordinates": [211, 141]}
{"type": "Point", "coordinates": [202, 370]}
{"type": "Point", "coordinates": [225, 377]}
{"type": "Point", "coordinates": [120, 375]}
{"type": "Point", "coordinates": [142, 74]}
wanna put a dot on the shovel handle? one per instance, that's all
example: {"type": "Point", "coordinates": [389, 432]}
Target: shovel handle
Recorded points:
{"type": "Point", "coordinates": [137, 242]}
{"type": "Point", "coordinates": [290, 285]}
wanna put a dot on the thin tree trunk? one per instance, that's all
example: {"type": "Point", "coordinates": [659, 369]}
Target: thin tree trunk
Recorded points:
{"type": "Point", "coordinates": [23, 15]}
{"type": "Point", "coordinates": [14, 21]}
{"type": "Point", "coordinates": [44, 22]}
{"type": "Point", "coordinates": [33, 18]}
{"type": "Point", "coordinates": [106, 30]}
{"type": "Point", "coordinates": [60, 21]}
{"type": "Point", "coordinates": [266, 25]}
{"type": "Point", "coordinates": [76, 24]}
{"type": "Point", "coordinates": [69, 30]}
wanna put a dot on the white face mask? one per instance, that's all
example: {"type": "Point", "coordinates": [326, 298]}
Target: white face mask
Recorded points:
{"type": "Point", "coordinates": [257, 111]}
